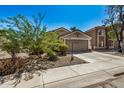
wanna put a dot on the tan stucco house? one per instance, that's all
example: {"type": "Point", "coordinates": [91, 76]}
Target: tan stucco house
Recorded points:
{"type": "Point", "coordinates": [100, 38]}
{"type": "Point", "coordinates": [77, 40]}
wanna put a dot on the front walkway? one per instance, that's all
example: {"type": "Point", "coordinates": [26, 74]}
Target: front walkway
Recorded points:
{"type": "Point", "coordinates": [101, 68]}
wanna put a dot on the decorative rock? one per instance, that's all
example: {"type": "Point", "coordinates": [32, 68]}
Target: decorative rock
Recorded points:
{"type": "Point", "coordinates": [23, 55]}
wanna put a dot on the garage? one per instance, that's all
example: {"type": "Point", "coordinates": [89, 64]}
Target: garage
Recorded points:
{"type": "Point", "coordinates": [77, 41]}
{"type": "Point", "coordinates": [77, 45]}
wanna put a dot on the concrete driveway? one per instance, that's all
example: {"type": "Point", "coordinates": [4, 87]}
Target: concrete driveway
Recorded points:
{"type": "Point", "coordinates": [98, 57]}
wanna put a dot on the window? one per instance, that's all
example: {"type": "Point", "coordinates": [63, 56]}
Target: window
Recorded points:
{"type": "Point", "coordinates": [101, 32]}
{"type": "Point", "coordinates": [101, 44]}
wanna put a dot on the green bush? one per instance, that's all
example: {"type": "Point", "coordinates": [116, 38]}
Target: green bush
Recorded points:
{"type": "Point", "coordinates": [63, 49]}
{"type": "Point", "coordinates": [53, 57]}
{"type": "Point", "coordinates": [51, 54]}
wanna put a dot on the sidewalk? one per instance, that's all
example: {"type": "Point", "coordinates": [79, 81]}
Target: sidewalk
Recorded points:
{"type": "Point", "coordinates": [75, 76]}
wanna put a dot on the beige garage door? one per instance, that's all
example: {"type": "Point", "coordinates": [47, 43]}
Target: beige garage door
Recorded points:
{"type": "Point", "coordinates": [77, 45]}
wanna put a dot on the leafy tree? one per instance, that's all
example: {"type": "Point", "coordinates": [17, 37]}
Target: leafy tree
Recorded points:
{"type": "Point", "coordinates": [115, 21]}
{"type": "Point", "coordinates": [32, 35]}
{"type": "Point", "coordinates": [31, 31]}
{"type": "Point", "coordinates": [11, 42]}
{"type": "Point", "coordinates": [51, 40]}
{"type": "Point", "coordinates": [112, 35]}
{"type": "Point", "coordinates": [51, 43]}
{"type": "Point", "coordinates": [74, 28]}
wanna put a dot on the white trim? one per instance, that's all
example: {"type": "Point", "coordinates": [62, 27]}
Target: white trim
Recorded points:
{"type": "Point", "coordinates": [61, 28]}
{"type": "Point", "coordinates": [89, 44]}
{"type": "Point", "coordinates": [104, 38]}
{"type": "Point", "coordinates": [67, 34]}
{"type": "Point", "coordinates": [78, 32]}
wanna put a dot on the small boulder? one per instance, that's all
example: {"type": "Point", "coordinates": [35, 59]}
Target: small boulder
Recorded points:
{"type": "Point", "coordinates": [22, 55]}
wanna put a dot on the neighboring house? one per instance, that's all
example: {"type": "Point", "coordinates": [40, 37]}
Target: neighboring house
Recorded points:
{"type": "Point", "coordinates": [77, 40]}
{"type": "Point", "coordinates": [100, 38]}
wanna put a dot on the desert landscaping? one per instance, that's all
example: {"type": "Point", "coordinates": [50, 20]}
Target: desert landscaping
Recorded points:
{"type": "Point", "coordinates": [31, 56]}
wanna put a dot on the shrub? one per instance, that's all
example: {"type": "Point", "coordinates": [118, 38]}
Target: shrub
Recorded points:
{"type": "Point", "coordinates": [52, 55]}
{"type": "Point", "coordinates": [8, 67]}
{"type": "Point", "coordinates": [63, 49]}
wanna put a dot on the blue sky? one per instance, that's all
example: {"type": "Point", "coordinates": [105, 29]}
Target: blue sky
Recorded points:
{"type": "Point", "coordinates": [83, 17]}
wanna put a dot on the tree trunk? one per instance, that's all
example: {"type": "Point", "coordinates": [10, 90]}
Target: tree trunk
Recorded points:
{"type": "Point", "coordinates": [119, 46]}
{"type": "Point", "coordinates": [120, 40]}
{"type": "Point", "coordinates": [122, 28]}
{"type": "Point", "coordinates": [119, 49]}
{"type": "Point", "coordinates": [13, 57]}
